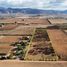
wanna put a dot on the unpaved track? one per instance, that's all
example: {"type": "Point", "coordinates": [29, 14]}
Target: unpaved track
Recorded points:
{"type": "Point", "coordinates": [17, 63]}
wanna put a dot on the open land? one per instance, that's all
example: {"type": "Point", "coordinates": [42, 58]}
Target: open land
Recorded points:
{"type": "Point", "coordinates": [33, 39]}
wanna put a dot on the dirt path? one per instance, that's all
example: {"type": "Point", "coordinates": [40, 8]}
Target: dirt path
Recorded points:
{"type": "Point", "coordinates": [17, 63]}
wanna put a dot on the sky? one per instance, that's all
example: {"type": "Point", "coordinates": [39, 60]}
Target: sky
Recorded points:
{"type": "Point", "coordinates": [38, 4]}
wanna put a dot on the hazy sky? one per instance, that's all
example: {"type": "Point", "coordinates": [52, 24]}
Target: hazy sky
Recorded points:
{"type": "Point", "coordinates": [40, 4]}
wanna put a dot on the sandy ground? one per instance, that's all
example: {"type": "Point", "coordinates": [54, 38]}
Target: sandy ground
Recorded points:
{"type": "Point", "coordinates": [18, 63]}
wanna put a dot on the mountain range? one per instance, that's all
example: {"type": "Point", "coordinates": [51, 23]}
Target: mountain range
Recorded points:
{"type": "Point", "coordinates": [30, 11]}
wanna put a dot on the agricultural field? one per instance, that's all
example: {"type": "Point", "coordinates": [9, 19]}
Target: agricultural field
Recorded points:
{"type": "Point", "coordinates": [13, 47]}
{"type": "Point", "coordinates": [40, 48]}
{"type": "Point", "coordinates": [19, 30]}
{"type": "Point", "coordinates": [57, 21]}
{"type": "Point", "coordinates": [7, 26]}
{"type": "Point", "coordinates": [4, 49]}
{"type": "Point", "coordinates": [25, 21]}
{"type": "Point", "coordinates": [59, 42]}
{"type": "Point", "coordinates": [36, 47]}
{"type": "Point", "coordinates": [10, 39]}
{"type": "Point", "coordinates": [20, 39]}
{"type": "Point", "coordinates": [41, 45]}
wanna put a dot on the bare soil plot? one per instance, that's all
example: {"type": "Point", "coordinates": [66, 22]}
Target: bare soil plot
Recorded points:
{"type": "Point", "coordinates": [57, 21]}
{"type": "Point", "coordinates": [7, 20]}
{"type": "Point", "coordinates": [4, 44]}
{"type": "Point", "coordinates": [20, 30]}
{"type": "Point", "coordinates": [5, 49]}
{"type": "Point", "coordinates": [25, 21]}
{"type": "Point", "coordinates": [9, 39]}
{"type": "Point", "coordinates": [35, 21]}
{"type": "Point", "coordinates": [59, 42]}
{"type": "Point", "coordinates": [8, 26]}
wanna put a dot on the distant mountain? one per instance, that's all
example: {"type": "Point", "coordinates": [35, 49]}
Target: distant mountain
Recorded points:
{"type": "Point", "coordinates": [30, 11]}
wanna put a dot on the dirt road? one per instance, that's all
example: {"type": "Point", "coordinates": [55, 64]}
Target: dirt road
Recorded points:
{"type": "Point", "coordinates": [17, 63]}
